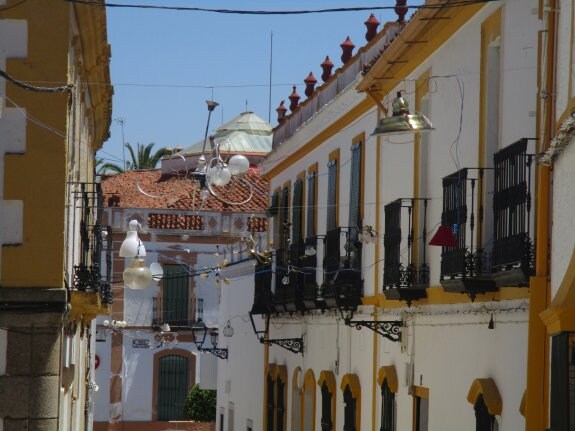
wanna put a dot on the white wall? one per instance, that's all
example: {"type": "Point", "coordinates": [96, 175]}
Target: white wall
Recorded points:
{"type": "Point", "coordinates": [240, 378]}
{"type": "Point", "coordinates": [450, 345]}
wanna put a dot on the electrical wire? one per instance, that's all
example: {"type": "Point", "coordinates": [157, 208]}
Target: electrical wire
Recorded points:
{"type": "Point", "coordinates": [5, 8]}
{"type": "Point", "coordinates": [446, 5]}
{"type": "Point", "coordinates": [62, 89]}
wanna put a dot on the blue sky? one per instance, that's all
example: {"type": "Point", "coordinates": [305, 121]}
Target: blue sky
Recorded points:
{"type": "Point", "coordinates": [165, 63]}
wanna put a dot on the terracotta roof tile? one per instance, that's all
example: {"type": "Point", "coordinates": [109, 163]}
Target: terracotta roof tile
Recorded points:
{"type": "Point", "coordinates": [151, 189]}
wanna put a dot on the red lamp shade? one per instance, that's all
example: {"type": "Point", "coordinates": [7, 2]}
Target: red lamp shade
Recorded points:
{"type": "Point", "coordinates": [444, 237]}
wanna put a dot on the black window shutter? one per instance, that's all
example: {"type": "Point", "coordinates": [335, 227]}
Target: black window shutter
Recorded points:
{"type": "Point", "coordinates": [331, 222]}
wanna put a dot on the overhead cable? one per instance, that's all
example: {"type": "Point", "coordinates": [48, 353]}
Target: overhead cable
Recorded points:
{"type": "Point", "coordinates": [278, 12]}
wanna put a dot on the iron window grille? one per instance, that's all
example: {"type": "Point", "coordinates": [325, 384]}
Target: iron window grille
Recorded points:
{"type": "Point", "coordinates": [387, 408]}
{"type": "Point", "coordinates": [350, 410]}
{"type": "Point", "coordinates": [173, 387]}
{"type": "Point", "coordinates": [398, 274]}
{"type": "Point", "coordinates": [326, 413]}
{"type": "Point", "coordinates": [484, 421]}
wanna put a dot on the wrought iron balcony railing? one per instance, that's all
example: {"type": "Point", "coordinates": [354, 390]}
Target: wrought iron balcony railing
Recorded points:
{"type": "Point", "coordinates": [262, 289]}
{"type": "Point", "coordinates": [88, 272]}
{"type": "Point", "coordinates": [343, 284]}
{"type": "Point", "coordinates": [484, 260]}
{"type": "Point", "coordinates": [405, 280]}
{"type": "Point", "coordinates": [464, 267]}
{"type": "Point", "coordinates": [180, 315]}
{"type": "Point", "coordinates": [513, 254]}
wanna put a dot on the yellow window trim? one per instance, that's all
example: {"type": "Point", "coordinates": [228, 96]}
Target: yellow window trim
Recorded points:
{"type": "Point", "coordinates": [388, 373]}
{"type": "Point", "coordinates": [420, 392]}
{"type": "Point", "coordinates": [491, 397]}
{"type": "Point", "coordinates": [309, 379]}
{"type": "Point", "coordinates": [522, 405]}
{"type": "Point", "coordinates": [352, 381]}
{"type": "Point", "coordinates": [329, 379]}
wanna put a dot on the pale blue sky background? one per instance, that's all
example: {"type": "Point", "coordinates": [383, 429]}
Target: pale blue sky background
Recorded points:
{"type": "Point", "coordinates": [164, 61]}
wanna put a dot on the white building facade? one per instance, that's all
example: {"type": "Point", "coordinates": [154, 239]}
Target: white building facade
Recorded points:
{"type": "Point", "coordinates": [353, 216]}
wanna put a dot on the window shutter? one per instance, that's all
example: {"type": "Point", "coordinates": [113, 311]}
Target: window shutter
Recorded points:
{"type": "Point", "coordinates": [311, 204]}
{"type": "Point", "coordinates": [331, 222]}
{"type": "Point", "coordinates": [355, 191]}
{"type": "Point", "coordinates": [175, 295]}
{"type": "Point", "coordinates": [172, 387]}
{"type": "Point", "coordinates": [392, 244]}
{"type": "Point", "coordinates": [297, 212]}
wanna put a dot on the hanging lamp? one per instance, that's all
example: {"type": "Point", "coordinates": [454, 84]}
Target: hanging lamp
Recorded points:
{"type": "Point", "coordinates": [401, 121]}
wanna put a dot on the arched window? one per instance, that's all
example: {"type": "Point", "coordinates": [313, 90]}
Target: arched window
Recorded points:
{"type": "Point", "coordinates": [387, 381]}
{"type": "Point", "coordinates": [326, 382]}
{"type": "Point", "coordinates": [486, 401]}
{"type": "Point", "coordinates": [309, 401]}
{"type": "Point", "coordinates": [484, 421]}
{"type": "Point", "coordinates": [173, 378]}
{"type": "Point", "coordinates": [276, 393]}
{"type": "Point", "coordinates": [352, 402]}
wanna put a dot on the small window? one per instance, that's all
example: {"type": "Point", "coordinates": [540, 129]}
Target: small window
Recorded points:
{"type": "Point", "coordinates": [483, 420]}
{"type": "Point", "coordinates": [311, 203]}
{"type": "Point", "coordinates": [297, 212]}
{"type": "Point", "coordinates": [327, 385]}
{"type": "Point", "coordinates": [352, 402]}
{"type": "Point", "coordinates": [332, 186]}
{"type": "Point", "coordinates": [420, 408]}
{"type": "Point", "coordinates": [387, 408]}
{"type": "Point", "coordinates": [276, 397]}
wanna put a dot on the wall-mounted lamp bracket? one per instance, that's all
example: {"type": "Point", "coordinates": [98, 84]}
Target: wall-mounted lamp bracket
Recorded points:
{"type": "Point", "coordinates": [216, 351]}
{"type": "Point", "coordinates": [390, 329]}
{"type": "Point", "coordinates": [294, 345]}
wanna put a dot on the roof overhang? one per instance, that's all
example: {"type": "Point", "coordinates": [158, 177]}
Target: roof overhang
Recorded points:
{"type": "Point", "coordinates": [426, 31]}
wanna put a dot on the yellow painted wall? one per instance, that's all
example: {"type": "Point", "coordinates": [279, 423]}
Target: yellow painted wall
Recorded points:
{"type": "Point", "coordinates": [38, 177]}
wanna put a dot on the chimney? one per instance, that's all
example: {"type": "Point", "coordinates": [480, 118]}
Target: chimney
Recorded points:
{"type": "Point", "coordinates": [281, 110]}
{"type": "Point", "coordinates": [310, 82]}
{"type": "Point", "coordinates": [294, 99]}
{"type": "Point", "coordinates": [400, 10]}
{"type": "Point", "coordinates": [346, 47]}
{"type": "Point", "coordinates": [327, 65]}
{"type": "Point", "coordinates": [372, 23]}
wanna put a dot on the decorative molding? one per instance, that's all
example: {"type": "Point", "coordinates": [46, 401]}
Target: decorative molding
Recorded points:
{"type": "Point", "coordinates": [558, 143]}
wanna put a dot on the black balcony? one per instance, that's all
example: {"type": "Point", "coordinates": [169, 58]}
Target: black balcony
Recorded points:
{"type": "Point", "coordinates": [286, 295]}
{"type": "Point", "coordinates": [262, 289]}
{"type": "Point", "coordinates": [307, 259]}
{"type": "Point", "coordinates": [495, 246]}
{"type": "Point", "coordinates": [88, 272]}
{"type": "Point", "coordinates": [405, 280]}
{"type": "Point", "coordinates": [343, 285]}
{"type": "Point", "coordinates": [174, 312]}
{"type": "Point", "coordinates": [465, 267]}
{"type": "Point", "coordinates": [513, 254]}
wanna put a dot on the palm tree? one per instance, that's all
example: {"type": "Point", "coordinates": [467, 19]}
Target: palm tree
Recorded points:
{"type": "Point", "coordinates": [141, 158]}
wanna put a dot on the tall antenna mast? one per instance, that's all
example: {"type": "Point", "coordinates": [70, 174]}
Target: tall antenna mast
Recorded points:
{"type": "Point", "coordinates": [270, 90]}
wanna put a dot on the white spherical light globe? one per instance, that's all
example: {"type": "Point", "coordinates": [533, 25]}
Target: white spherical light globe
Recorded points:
{"type": "Point", "coordinates": [219, 175]}
{"type": "Point", "coordinates": [137, 275]}
{"type": "Point", "coordinates": [239, 164]}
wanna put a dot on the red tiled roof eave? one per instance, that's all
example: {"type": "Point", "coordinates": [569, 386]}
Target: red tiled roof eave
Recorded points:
{"type": "Point", "coordinates": [154, 190]}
